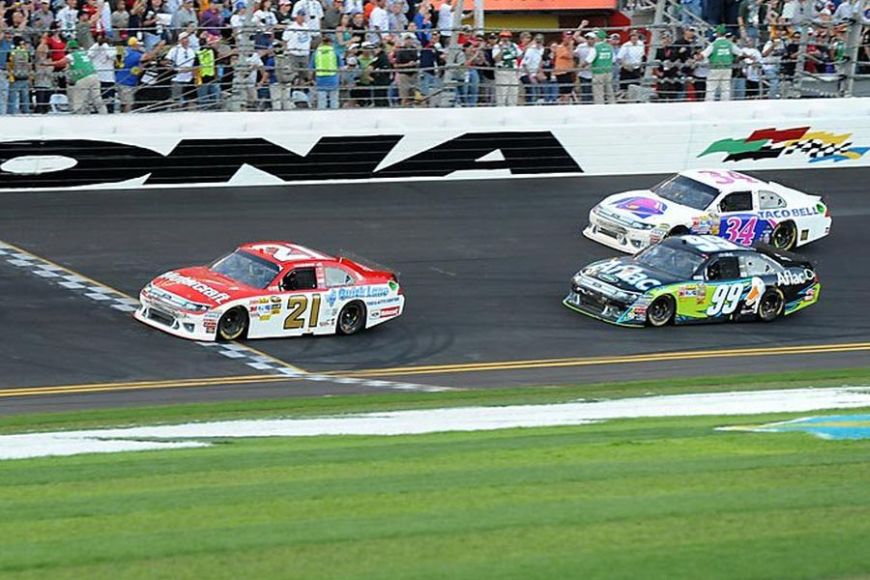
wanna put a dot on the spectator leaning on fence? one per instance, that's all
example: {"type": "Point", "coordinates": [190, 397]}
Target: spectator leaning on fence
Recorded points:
{"type": "Point", "coordinates": [507, 83]}
{"type": "Point", "coordinates": [600, 60]}
{"type": "Point", "coordinates": [20, 75]}
{"type": "Point", "coordinates": [297, 38]}
{"type": "Point", "coordinates": [720, 53]}
{"type": "Point", "coordinates": [84, 84]}
{"type": "Point", "coordinates": [631, 57]}
{"type": "Point", "coordinates": [584, 74]}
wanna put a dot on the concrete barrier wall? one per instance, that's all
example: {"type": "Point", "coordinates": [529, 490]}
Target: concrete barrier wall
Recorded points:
{"type": "Point", "coordinates": [175, 149]}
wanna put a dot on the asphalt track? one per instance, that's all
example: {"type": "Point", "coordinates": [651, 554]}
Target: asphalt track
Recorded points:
{"type": "Point", "coordinates": [484, 265]}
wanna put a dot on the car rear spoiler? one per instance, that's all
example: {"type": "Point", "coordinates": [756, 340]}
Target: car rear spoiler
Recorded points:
{"type": "Point", "coordinates": [783, 257]}
{"type": "Point", "coordinates": [366, 263]}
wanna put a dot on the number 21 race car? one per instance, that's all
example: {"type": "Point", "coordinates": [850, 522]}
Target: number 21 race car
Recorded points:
{"type": "Point", "coordinates": [271, 289]}
{"type": "Point", "coordinates": [728, 204]}
{"type": "Point", "coordinates": [690, 279]}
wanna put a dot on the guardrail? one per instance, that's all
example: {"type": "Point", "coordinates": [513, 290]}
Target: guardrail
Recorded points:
{"type": "Point", "coordinates": [416, 69]}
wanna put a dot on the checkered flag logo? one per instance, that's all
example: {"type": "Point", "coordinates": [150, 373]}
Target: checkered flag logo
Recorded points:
{"type": "Point", "coordinates": [817, 148]}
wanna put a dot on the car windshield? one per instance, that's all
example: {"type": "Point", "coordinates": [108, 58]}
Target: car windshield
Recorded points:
{"type": "Point", "coordinates": [678, 263]}
{"type": "Point", "coordinates": [247, 269]}
{"type": "Point", "coordinates": [680, 189]}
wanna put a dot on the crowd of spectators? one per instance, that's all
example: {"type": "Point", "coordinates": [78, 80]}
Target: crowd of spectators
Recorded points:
{"type": "Point", "coordinates": [124, 55]}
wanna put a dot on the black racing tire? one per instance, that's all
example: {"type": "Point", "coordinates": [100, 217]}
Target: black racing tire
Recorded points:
{"type": "Point", "coordinates": [784, 236]}
{"type": "Point", "coordinates": [678, 231]}
{"type": "Point", "coordinates": [352, 318]}
{"type": "Point", "coordinates": [233, 324]}
{"type": "Point", "coordinates": [661, 311]}
{"type": "Point", "coordinates": [771, 305]}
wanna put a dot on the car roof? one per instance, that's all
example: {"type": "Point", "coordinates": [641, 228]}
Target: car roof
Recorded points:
{"type": "Point", "coordinates": [716, 245]}
{"type": "Point", "coordinates": [284, 253]}
{"type": "Point", "coordinates": [714, 178]}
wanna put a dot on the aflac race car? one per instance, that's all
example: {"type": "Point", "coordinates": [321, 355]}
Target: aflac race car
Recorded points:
{"type": "Point", "coordinates": [728, 204]}
{"type": "Point", "coordinates": [271, 289]}
{"type": "Point", "coordinates": [688, 279]}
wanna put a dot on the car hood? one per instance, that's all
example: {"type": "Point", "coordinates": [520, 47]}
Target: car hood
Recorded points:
{"type": "Point", "coordinates": [627, 274]}
{"type": "Point", "coordinates": [202, 286]}
{"type": "Point", "coordinates": [644, 206]}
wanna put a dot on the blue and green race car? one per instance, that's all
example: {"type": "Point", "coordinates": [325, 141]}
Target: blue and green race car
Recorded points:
{"type": "Point", "coordinates": [690, 279]}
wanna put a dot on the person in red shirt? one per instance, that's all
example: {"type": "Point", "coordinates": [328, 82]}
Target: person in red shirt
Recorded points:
{"type": "Point", "coordinates": [56, 48]}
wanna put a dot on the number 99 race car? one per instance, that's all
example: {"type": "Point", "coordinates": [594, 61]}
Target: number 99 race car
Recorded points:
{"type": "Point", "coordinates": [728, 204]}
{"type": "Point", "coordinates": [690, 279]}
{"type": "Point", "coordinates": [271, 289]}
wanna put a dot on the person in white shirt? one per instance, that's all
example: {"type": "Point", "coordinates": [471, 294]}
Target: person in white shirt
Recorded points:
{"type": "Point", "coordinates": [297, 38]}
{"type": "Point", "coordinates": [182, 58]}
{"type": "Point", "coordinates": [752, 68]}
{"type": "Point", "coordinates": [584, 74]}
{"type": "Point", "coordinates": [67, 18]}
{"type": "Point", "coordinates": [445, 20]}
{"type": "Point", "coordinates": [314, 13]}
{"type": "Point", "coordinates": [533, 56]}
{"type": "Point", "coordinates": [265, 18]}
{"type": "Point", "coordinates": [631, 57]}
{"type": "Point", "coordinates": [379, 22]}
{"type": "Point", "coordinates": [353, 7]}
{"type": "Point", "coordinates": [102, 55]}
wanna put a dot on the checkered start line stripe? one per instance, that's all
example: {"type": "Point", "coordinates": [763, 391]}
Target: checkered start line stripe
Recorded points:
{"type": "Point", "coordinates": [119, 301]}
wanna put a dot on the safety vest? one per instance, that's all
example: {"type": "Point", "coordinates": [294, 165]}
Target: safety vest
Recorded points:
{"type": "Point", "coordinates": [325, 61]}
{"type": "Point", "coordinates": [19, 64]}
{"type": "Point", "coordinates": [603, 62]}
{"type": "Point", "coordinates": [206, 62]}
{"type": "Point", "coordinates": [721, 56]}
{"type": "Point", "coordinates": [81, 66]}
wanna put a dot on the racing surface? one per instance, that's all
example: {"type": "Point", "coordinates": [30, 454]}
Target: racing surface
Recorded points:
{"type": "Point", "coordinates": [484, 266]}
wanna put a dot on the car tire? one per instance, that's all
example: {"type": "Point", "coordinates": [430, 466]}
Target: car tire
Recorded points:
{"type": "Point", "coordinates": [784, 236]}
{"type": "Point", "coordinates": [770, 305]}
{"type": "Point", "coordinates": [233, 324]}
{"type": "Point", "coordinates": [661, 311]}
{"type": "Point", "coordinates": [351, 319]}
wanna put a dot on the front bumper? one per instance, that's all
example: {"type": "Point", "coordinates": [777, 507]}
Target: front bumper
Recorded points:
{"type": "Point", "coordinates": [597, 305]}
{"type": "Point", "coordinates": [618, 236]}
{"type": "Point", "coordinates": [163, 317]}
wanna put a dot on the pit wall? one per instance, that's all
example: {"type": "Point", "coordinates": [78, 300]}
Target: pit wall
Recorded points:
{"type": "Point", "coordinates": [358, 145]}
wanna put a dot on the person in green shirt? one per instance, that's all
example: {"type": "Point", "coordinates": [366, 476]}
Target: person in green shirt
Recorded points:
{"type": "Point", "coordinates": [83, 86]}
{"type": "Point", "coordinates": [599, 59]}
{"type": "Point", "coordinates": [720, 54]}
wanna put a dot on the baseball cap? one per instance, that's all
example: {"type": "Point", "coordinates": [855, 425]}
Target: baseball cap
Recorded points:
{"type": "Point", "coordinates": [601, 34]}
{"type": "Point", "coordinates": [132, 41]}
{"type": "Point", "coordinates": [590, 34]}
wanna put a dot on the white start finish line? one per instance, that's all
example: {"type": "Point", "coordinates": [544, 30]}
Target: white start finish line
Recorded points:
{"type": "Point", "coordinates": [433, 420]}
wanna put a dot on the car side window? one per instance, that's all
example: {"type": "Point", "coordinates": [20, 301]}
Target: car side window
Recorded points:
{"type": "Point", "coordinates": [756, 265]}
{"type": "Point", "coordinates": [769, 200]}
{"type": "Point", "coordinates": [737, 201]}
{"type": "Point", "coordinates": [723, 268]}
{"type": "Point", "coordinates": [300, 279]}
{"type": "Point", "coordinates": [338, 277]}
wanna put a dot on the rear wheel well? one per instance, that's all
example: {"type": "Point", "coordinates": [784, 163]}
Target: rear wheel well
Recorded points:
{"type": "Point", "coordinates": [678, 231]}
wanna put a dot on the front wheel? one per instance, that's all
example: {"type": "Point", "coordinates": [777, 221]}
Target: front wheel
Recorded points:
{"type": "Point", "coordinates": [771, 305]}
{"type": "Point", "coordinates": [352, 318]}
{"type": "Point", "coordinates": [232, 324]}
{"type": "Point", "coordinates": [784, 236]}
{"type": "Point", "coordinates": [661, 311]}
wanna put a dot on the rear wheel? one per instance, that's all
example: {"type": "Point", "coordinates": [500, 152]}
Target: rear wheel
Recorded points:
{"type": "Point", "coordinates": [661, 311]}
{"type": "Point", "coordinates": [352, 318]}
{"type": "Point", "coordinates": [771, 305]}
{"type": "Point", "coordinates": [784, 236]}
{"type": "Point", "coordinates": [232, 324]}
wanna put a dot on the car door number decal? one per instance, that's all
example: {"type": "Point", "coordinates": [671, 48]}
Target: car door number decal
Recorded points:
{"type": "Point", "coordinates": [297, 306]}
{"type": "Point", "coordinates": [726, 177]}
{"type": "Point", "coordinates": [741, 231]}
{"type": "Point", "coordinates": [725, 299]}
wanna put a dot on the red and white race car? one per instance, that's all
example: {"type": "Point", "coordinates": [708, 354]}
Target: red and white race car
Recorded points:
{"type": "Point", "coordinates": [271, 289]}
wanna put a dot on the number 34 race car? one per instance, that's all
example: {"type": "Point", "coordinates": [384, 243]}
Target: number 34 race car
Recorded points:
{"type": "Point", "coordinates": [728, 204]}
{"type": "Point", "coordinates": [271, 289]}
{"type": "Point", "coordinates": [687, 279]}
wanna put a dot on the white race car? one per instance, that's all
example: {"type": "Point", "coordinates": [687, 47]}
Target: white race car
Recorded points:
{"type": "Point", "coordinates": [728, 204]}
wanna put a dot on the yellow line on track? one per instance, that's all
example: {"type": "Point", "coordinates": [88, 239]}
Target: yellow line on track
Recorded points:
{"type": "Point", "coordinates": [118, 292]}
{"type": "Point", "coordinates": [604, 360]}
{"type": "Point", "coordinates": [142, 385]}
